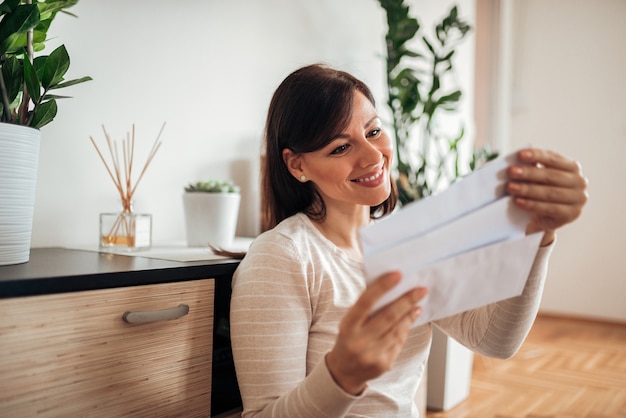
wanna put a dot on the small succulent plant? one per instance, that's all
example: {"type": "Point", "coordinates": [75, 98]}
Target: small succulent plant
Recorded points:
{"type": "Point", "coordinates": [212, 186]}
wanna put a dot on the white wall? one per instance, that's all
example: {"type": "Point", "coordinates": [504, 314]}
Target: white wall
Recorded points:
{"type": "Point", "coordinates": [569, 84]}
{"type": "Point", "coordinates": [208, 69]}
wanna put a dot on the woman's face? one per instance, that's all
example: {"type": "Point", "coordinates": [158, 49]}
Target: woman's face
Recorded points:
{"type": "Point", "coordinates": [353, 169]}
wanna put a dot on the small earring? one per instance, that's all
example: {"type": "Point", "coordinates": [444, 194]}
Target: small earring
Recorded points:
{"type": "Point", "coordinates": [303, 178]}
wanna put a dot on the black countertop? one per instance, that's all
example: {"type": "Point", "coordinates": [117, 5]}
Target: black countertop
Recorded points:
{"type": "Point", "coordinates": [59, 270]}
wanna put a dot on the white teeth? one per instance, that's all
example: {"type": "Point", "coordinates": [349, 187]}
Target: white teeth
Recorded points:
{"type": "Point", "coordinates": [372, 178]}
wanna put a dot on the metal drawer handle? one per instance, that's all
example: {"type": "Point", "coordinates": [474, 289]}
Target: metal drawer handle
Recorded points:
{"type": "Point", "coordinates": [158, 315]}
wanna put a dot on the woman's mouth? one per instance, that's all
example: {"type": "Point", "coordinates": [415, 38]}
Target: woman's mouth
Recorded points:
{"type": "Point", "coordinates": [370, 177]}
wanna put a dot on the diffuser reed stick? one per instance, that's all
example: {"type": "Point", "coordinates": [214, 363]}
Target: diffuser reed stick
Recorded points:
{"type": "Point", "coordinates": [120, 170]}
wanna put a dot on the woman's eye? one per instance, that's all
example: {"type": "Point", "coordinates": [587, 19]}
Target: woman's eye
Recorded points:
{"type": "Point", "coordinates": [339, 150]}
{"type": "Point", "coordinates": [374, 132]}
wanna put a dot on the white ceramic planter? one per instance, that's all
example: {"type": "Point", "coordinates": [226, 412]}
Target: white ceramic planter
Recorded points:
{"type": "Point", "coordinates": [211, 218]}
{"type": "Point", "coordinates": [449, 372]}
{"type": "Point", "coordinates": [19, 159]}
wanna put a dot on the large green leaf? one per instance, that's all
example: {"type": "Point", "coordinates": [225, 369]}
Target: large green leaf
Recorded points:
{"type": "Point", "coordinates": [51, 7]}
{"type": "Point", "coordinates": [449, 101]}
{"type": "Point", "coordinates": [55, 67]}
{"type": "Point", "coordinates": [39, 63]}
{"type": "Point", "coordinates": [32, 81]}
{"type": "Point", "coordinates": [71, 82]}
{"type": "Point", "coordinates": [18, 41]}
{"type": "Point", "coordinates": [13, 77]}
{"type": "Point", "coordinates": [40, 34]}
{"type": "Point", "coordinates": [8, 6]}
{"type": "Point", "coordinates": [23, 18]}
{"type": "Point", "coordinates": [54, 96]}
{"type": "Point", "coordinates": [44, 114]}
{"type": "Point", "coordinates": [407, 86]}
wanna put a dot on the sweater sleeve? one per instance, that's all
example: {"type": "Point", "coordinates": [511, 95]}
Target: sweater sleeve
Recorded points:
{"type": "Point", "coordinates": [270, 319]}
{"type": "Point", "coordinates": [499, 329]}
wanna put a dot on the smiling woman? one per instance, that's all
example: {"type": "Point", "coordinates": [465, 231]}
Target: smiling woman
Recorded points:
{"type": "Point", "coordinates": [306, 339]}
{"type": "Point", "coordinates": [338, 146]}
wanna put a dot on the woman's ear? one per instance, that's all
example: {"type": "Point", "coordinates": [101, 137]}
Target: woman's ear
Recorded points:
{"type": "Point", "coordinates": [293, 163]}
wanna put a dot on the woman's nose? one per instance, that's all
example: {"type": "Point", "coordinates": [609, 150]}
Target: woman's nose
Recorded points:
{"type": "Point", "coordinates": [369, 154]}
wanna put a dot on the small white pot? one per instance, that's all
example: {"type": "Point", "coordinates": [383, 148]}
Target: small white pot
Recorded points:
{"type": "Point", "coordinates": [211, 218]}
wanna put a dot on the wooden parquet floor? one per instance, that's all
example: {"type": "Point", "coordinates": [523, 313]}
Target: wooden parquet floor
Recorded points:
{"type": "Point", "coordinates": [567, 368]}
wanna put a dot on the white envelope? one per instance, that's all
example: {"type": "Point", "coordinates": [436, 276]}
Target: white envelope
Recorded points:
{"type": "Point", "coordinates": [466, 245]}
{"type": "Point", "coordinates": [475, 190]}
{"type": "Point", "coordinates": [495, 222]}
{"type": "Point", "coordinates": [471, 279]}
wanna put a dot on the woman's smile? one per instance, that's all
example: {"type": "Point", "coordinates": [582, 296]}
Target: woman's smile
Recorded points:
{"type": "Point", "coordinates": [371, 179]}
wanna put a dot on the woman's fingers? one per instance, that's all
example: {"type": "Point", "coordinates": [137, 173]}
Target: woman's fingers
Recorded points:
{"type": "Point", "coordinates": [362, 314]}
{"type": "Point", "coordinates": [550, 186]}
{"type": "Point", "coordinates": [363, 307]}
{"type": "Point", "coordinates": [544, 193]}
{"type": "Point", "coordinates": [402, 310]}
{"type": "Point", "coordinates": [549, 216]}
{"type": "Point", "coordinates": [550, 177]}
{"type": "Point", "coordinates": [547, 176]}
{"type": "Point", "coordinates": [547, 158]}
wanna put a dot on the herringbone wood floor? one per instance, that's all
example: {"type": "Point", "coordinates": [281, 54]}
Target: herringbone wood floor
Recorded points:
{"type": "Point", "coordinates": [567, 368]}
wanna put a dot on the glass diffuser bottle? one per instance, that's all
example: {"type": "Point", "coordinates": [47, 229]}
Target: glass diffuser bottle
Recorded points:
{"type": "Point", "coordinates": [125, 230]}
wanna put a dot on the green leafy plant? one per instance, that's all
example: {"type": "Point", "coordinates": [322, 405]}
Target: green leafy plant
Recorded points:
{"type": "Point", "coordinates": [418, 67]}
{"type": "Point", "coordinates": [212, 186]}
{"type": "Point", "coordinates": [27, 82]}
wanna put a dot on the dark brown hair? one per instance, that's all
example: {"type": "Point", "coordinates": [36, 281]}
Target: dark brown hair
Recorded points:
{"type": "Point", "coordinates": [309, 108]}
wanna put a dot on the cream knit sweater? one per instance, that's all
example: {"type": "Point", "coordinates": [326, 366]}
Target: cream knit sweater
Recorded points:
{"type": "Point", "coordinates": [289, 294]}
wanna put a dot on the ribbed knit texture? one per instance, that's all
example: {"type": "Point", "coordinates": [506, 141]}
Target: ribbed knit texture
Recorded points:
{"type": "Point", "coordinates": [289, 294]}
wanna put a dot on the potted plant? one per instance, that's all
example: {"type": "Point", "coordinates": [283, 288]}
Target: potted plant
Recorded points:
{"type": "Point", "coordinates": [27, 103]}
{"type": "Point", "coordinates": [211, 212]}
{"type": "Point", "coordinates": [419, 68]}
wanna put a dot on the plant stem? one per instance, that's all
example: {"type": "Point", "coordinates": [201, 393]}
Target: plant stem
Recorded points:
{"type": "Point", "coordinates": [24, 105]}
{"type": "Point", "coordinates": [29, 41]}
{"type": "Point", "coordinates": [5, 98]}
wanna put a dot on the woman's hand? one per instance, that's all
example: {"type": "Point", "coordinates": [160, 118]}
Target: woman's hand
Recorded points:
{"type": "Point", "coordinates": [552, 188]}
{"type": "Point", "coordinates": [368, 345]}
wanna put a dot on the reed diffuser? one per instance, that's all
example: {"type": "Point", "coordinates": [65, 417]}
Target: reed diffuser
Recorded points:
{"type": "Point", "coordinates": [125, 230]}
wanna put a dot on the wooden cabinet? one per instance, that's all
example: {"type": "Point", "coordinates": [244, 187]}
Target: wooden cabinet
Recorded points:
{"type": "Point", "coordinates": [72, 354]}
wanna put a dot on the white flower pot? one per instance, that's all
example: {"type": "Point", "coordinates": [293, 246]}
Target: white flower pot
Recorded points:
{"type": "Point", "coordinates": [211, 218]}
{"type": "Point", "coordinates": [19, 159]}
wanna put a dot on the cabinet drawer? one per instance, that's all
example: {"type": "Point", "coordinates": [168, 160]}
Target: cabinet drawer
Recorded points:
{"type": "Point", "coordinates": [72, 354]}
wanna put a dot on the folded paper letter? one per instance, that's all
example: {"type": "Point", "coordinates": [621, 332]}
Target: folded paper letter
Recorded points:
{"type": "Point", "coordinates": [467, 245]}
